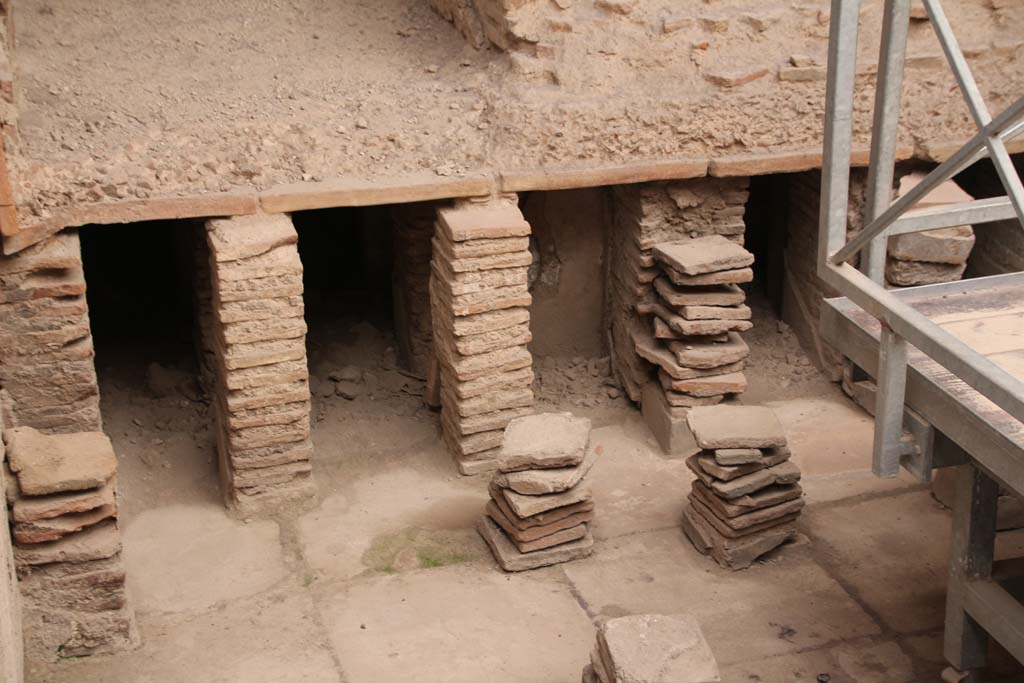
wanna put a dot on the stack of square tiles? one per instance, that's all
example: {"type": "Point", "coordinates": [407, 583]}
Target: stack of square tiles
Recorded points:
{"type": "Point", "coordinates": [480, 309]}
{"type": "Point", "coordinates": [745, 499]}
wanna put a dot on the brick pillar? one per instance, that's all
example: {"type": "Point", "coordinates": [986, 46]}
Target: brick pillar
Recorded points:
{"type": "Point", "coordinates": [262, 382]}
{"type": "Point", "coordinates": [647, 214]}
{"type": "Point", "coordinates": [481, 320]}
{"type": "Point", "coordinates": [410, 283]}
{"type": "Point", "coordinates": [46, 351]}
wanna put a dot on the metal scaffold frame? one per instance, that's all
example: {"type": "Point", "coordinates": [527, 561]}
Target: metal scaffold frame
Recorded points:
{"type": "Point", "coordinates": [976, 605]}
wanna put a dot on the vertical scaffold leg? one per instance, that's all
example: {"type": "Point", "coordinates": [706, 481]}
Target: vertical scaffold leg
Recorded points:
{"type": "Point", "coordinates": [971, 552]}
{"type": "Point", "coordinates": [892, 383]}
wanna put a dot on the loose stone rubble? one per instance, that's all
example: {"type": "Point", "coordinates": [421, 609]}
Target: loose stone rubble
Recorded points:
{"type": "Point", "coordinates": [262, 382]}
{"type": "Point", "coordinates": [481, 317]}
{"type": "Point", "coordinates": [933, 256]}
{"type": "Point", "coordinates": [746, 498]}
{"type": "Point", "coordinates": [46, 349]}
{"type": "Point", "coordinates": [651, 648]}
{"type": "Point", "coordinates": [67, 546]}
{"type": "Point", "coordinates": [541, 507]}
{"type": "Point", "coordinates": [694, 334]}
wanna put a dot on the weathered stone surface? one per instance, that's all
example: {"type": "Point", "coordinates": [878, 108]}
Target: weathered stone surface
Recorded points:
{"type": "Point", "coordinates": [551, 480]}
{"type": "Point", "coordinates": [261, 309]}
{"type": "Point", "coordinates": [712, 295]}
{"type": "Point", "coordinates": [541, 519]}
{"type": "Point", "coordinates": [493, 341]}
{"type": "Point", "coordinates": [714, 312]}
{"type": "Point", "coordinates": [43, 530]}
{"type": "Point", "coordinates": [512, 560]}
{"type": "Point", "coordinates": [494, 401]}
{"type": "Point", "coordinates": [466, 368]}
{"type": "Point", "coordinates": [473, 282]}
{"type": "Point", "coordinates": [696, 328]}
{"type": "Point", "coordinates": [784, 473]}
{"type": "Point", "coordinates": [482, 221]}
{"type": "Point", "coordinates": [679, 401]}
{"type": "Point", "coordinates": [471, 264]}
{"type": "Point", "coordinates": [703, 255]}
{"type": "Point", "coordinates": [766, 497]}
{"type": "Point", "coordinates": [737, 553]}
{"type": "Point", "coordinates": [737, 456]}
{"type": "Point", "coordinates": [714, 385]}
{"type": "Point", "coordinates": [948, 245]}
{"type": "Point", "coordinates": [535, 532]}
{"type": "Point", "coordinates": [913, 273]}
{"type": "Point", "coordinates": [655, 648]}
{"type": "Point", "coordinates": [493, 382]}
{"type": "Point", "coordinates": [726, 530]}
{"type": "Point", "coordinates": [651, 350]}
{"type": "Point", "coordinates": [263, 330]}
{"type": "Point", "coordinates": [491, 321]}
{"type": "Point", "coordinates": [483, 422]}
{"type": "Point", "coordinates": [528, 506]}
{"type": "Point", "coordinates": [544, 441]}
{"type": "Point", "coordinates": [736, 427]}
{"type": "Point", "coordinates": [239, 237]}
{"type": "Point", "coordinates": [753, 519]}
{"type": "Point", "coordinates": [722, 277]}
{"type": "Point", "coordinates": [274, 263]}
{"type": "Point", "coordinates": [30, 509]}
{"type": "Point", "coordinates": [555, 539]}
{"type": "Point", "coordinates": [60, 462]}
{"type": "Point", "coordinates": [93, 586]}
{"type": "Point", "coordinates": [710, 354]}
{"type": "Point", "coordinates": [475, 443]}
{"type": "Point", "coordinates": [485, 247]}
{"type": "Point", "coordinates": [95, 543]}
{"type": "Point", "coordinates": [708, 463]}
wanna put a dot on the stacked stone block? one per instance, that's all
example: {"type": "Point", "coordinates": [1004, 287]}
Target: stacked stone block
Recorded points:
{"type": "Point", "coordinates": [746, 498]}
{"type": "Point", "coordinates": [262, 390]}
{"type": "Point", "coordinates": [481, 320]}
{"type": "Point", "coordinates": [11, 638]}
{"type": "Point", "coordinates": [933, 256]}
{"type": "Point", "coordinates": [67, 546]}
{"type": "Point", "coordinates": [413, 233]}
{"type": "Point", "coordinates": [646, 215]}
{"type": "Point", "coordinates": [651, 648]}
{"type": "Point", "coordinates": [46, 350]}
{"type": "Point", "coordinates": [541, 507]}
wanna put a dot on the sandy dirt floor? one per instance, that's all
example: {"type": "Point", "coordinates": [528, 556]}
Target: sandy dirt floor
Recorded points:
{"type": "Point", "coordinates": [129, 99]}
{"type": "Point", "coordinates": [386, 579]}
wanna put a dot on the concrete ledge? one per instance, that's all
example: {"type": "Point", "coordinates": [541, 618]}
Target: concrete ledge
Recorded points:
{"type": "Point", "coordinates": [623, 174]}
{"type": "Point", "coordinates": [135, 210]}
{"type": "Point", "coordinates": [363, 192]}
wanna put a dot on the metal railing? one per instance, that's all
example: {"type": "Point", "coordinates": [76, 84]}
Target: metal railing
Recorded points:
{"type": "Point", "coordinates": [901, 324]}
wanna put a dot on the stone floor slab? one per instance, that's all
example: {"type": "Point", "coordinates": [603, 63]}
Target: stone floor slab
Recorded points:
{"type": "Point", "coordinates": [269, 639]}
{"type": "Point", "coordinates": [868, 544]}
{"type": "Point", "coordinates": [859, 661]}
{"type": "Point", "coordinates": [459, 624]}
{"type": "Point", "coordinates": [784, 605]}
{"type": "Point", "coordinates": [190, 557]}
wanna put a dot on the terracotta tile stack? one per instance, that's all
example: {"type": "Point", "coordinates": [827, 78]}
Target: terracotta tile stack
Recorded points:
{"type": "Point", "coordinates": [651, 648]}
{"type": "Point", "coordinates": [67, 546]}
{"type": "Point", "coordinates": [694, 333]}
{"type": "Point", "coordinates": [260, 346]}
{"type": "Point", "coordinates": [480, 301]}
{"type": "Point", "coordinates": [746, 498]}
{"type": "Point", "coordinates": [647, 214]}
{"type": "Point", "coordinates": [540, 507]}
{"type": "Point", "coordinates": [46, 350]}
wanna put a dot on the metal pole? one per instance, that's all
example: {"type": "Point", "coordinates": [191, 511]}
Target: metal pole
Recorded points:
{"type": "Point", "coordinates": [835, 172]}
{"type": "Point", "coordinates": [962, 158]}
{"type": "Point", "coordinates": [885, 130]}
{"type": "Point", "coordinates": [976, 103]}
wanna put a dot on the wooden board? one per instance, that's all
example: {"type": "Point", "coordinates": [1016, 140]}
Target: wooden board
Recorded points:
{"type": "Point", "coordinates": [993, 438]}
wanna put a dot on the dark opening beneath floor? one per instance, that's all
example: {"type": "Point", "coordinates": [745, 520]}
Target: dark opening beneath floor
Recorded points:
{"type": "Point", "coordinates": [140, 287]}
